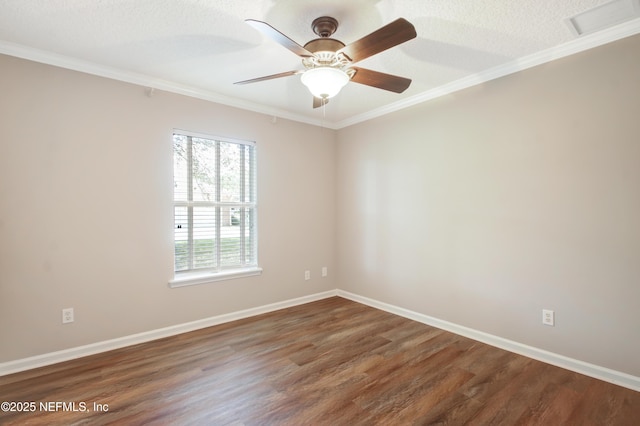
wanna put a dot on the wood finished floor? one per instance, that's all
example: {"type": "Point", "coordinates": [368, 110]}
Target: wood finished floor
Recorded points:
{"type": "Point", "coordinates": [331, 362]}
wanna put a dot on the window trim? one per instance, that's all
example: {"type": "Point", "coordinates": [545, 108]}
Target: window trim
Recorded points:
{"type": "Point", "coordinates": [196, 277]}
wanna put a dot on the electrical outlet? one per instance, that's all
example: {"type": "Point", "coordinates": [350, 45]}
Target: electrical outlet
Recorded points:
{"type": "Point", "coordinates": [324, 271]}
{"type": "Point", "coordinates": [67, 315]}
{"type": "Point", "coordinates": [307, 275]}
{"type": "Point", "coordinates": [548, 317]}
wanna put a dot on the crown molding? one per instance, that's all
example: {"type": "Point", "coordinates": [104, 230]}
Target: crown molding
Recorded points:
{"type": "Point", "coordinates": [87, 67]}
{"type": "Point", "coordinates": [580, 44]}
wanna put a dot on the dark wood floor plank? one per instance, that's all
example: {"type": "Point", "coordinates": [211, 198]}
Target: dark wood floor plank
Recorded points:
{"type": "Point", "coordinates": [553, 407]}
{"type": "Point", "coordinates": [331, 362]}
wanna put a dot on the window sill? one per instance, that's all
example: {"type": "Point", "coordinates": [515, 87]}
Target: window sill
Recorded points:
{"type": "Point", "coordinates": [183, 280]}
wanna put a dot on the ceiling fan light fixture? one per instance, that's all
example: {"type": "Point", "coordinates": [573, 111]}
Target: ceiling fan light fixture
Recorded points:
{"type": "Point", "coordinates": [324, 82]}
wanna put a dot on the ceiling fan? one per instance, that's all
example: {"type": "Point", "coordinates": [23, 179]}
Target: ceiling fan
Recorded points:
{"type": "Point", "coordinates": [328, 63]}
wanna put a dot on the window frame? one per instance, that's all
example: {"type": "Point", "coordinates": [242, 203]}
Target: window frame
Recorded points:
{"type": "Point", "coordinates": [218, 273]}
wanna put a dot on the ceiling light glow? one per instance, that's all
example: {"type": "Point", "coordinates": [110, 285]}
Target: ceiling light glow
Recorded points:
{"type": "Point", "coordinates": [325, 82]}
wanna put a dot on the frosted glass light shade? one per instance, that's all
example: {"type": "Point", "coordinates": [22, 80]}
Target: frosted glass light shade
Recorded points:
{"type": "Point", "coordinates": [324, 82]}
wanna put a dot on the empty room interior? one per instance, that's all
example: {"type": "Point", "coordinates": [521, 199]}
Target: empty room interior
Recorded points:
{"type": "Point", "coordinates": [193, 232]}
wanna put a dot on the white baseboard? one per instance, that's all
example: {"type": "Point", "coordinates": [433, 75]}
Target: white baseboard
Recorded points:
{"type": "Point", "coordinates": [134, 339]}
{"type": "Point", "coordinates": [591, 370]}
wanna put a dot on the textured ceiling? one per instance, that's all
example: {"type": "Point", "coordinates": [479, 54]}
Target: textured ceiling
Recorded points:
{"type": "Point", "coordinates": [201, 47]}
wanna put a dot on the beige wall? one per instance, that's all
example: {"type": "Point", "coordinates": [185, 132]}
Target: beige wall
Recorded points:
{"type": "Point", "coordinates": [486, 206]}
{"type": "Point", "coordinates": [480, 208]}
{"type": "Point", "coordinates": [86, 209]}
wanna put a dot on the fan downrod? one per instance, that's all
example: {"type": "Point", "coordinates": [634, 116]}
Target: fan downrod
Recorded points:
{"type": "Point", "coordinates": [324, 26]}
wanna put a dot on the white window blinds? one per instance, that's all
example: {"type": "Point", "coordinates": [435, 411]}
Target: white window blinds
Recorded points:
{"type": "Point", "coordinates": [214, 203]}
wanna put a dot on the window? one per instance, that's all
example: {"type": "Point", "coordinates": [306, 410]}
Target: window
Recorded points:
{"type": "Point", "coordinates": [215, 232]}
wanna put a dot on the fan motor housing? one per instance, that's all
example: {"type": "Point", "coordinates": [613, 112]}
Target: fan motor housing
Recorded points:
{"type": "Point", "coordinates": [324, 53]}
{"type": "Point", "coordinates": [324, 45]}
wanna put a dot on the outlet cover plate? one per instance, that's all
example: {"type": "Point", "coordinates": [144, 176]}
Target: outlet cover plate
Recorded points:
{"type": "Point", "coordinates": [548, 317]}
{"type": "Point", "coordinates": [67, 315]}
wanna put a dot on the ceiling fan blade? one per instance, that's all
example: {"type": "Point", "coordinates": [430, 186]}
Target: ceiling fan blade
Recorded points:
{"type": "Point", "coordinates": [269, 77]}
{"type": "Point", "coordinates": [393, 34]}
{"type": "Point", "coordinates": [280, 38]}
{"type": "Point", "coordinates": [380, 80]}
{"type": "Point", "coordinates": [318, 102]}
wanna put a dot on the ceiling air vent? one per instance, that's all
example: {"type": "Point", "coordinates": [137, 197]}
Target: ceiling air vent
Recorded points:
{"type": "Point", "coordinates": [604, 16]}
